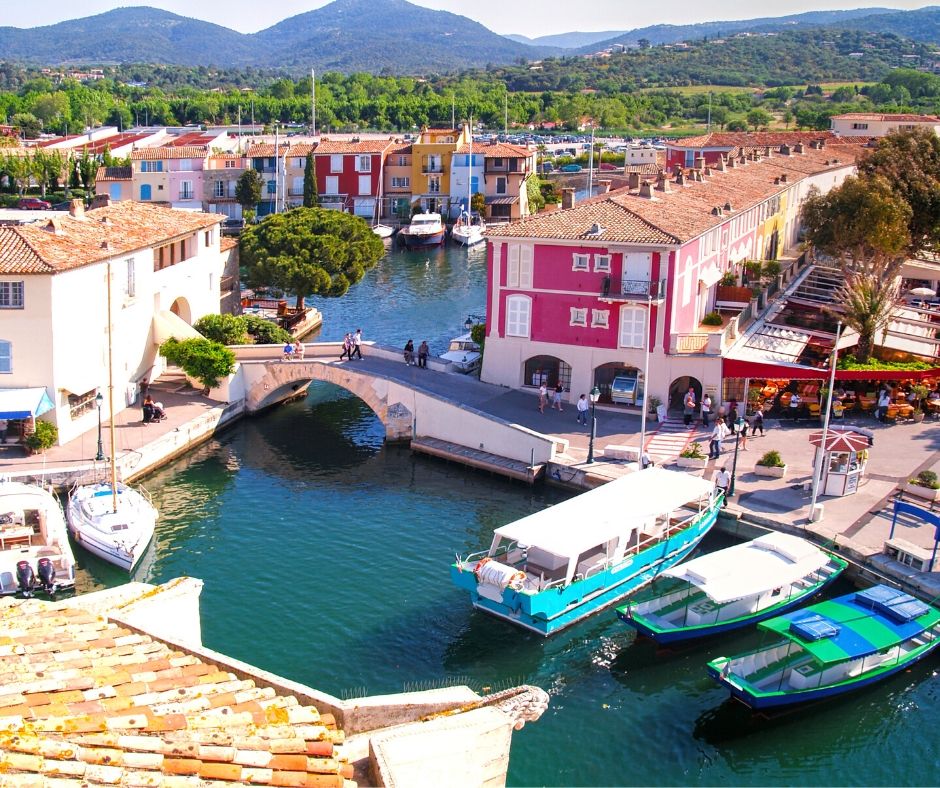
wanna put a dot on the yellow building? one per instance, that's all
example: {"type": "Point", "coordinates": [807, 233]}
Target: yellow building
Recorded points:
{"type": "Point", "coordinates": [430, 166]}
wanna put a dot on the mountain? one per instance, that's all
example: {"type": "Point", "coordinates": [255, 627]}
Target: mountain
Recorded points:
{"type": "Point", "coordinates": [138, 35]}
{"type": "Point", "coordinates": [372, 35]}
{"type": "Point", "coordinates": [920, 25]}
{"type": "Point", "coordinates": [568, 40]}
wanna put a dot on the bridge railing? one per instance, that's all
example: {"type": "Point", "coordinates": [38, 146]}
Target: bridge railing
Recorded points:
{"type": "Point", "coordinates": [332, 350]}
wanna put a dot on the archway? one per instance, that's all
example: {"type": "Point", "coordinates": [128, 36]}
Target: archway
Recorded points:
{"type": "Point", "coordinates": [181, 309]}
{"type": "Point", "coordinates": [629, 389]}
{"type": "Point", "coordinates": [548, 370]}
{"type": "Point", "coordinates": [678, 389]}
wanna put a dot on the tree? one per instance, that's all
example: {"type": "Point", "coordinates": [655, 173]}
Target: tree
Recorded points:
{"type": "Point", "coordinates": [264, 332]}
{"type": "Point", "coordinates": [534, 193]}
{"type": "Point", "coordinates": [758, 117]}
{"type": "Point", "coordinates": [864, 225]}
{"type": "Point", "coordinates": [27, 124]}
{"type": "Point", "coordinates": [206, 361]}
{"type": "Point", "coordinates": [47, 168]}
{"type": "Point", "coordinates": [225, 329]}
{"type": "Point", "coordinates": [248, 189]}
{"type": "Point", "coordinates": [309, 251]}
{"type": "Point", "coordinates": [311, 195]}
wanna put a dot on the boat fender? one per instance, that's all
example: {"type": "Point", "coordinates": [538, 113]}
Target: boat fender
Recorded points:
{"type": "Point", "coordinates": [517, 581]}
{"type": "Point", "coordinates": [479, 565]}
{"type": "Point", "coordinates": [78, 535]}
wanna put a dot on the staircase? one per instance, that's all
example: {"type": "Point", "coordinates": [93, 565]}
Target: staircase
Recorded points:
{"type": "Point", "coordinates": [820, 285]}
{"type": "Point", "coordinates": [670, 439]}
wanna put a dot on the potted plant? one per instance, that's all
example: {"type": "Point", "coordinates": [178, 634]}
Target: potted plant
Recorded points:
{"type": "Point", "coordinates": [692, 456]}
{"type": "Point", "coordinates": [771, 465]}
{"type": "Point", "coordinates": [44, 437]}
{"type": "Point", "coordinates": [920, 392]}
{"type": "Point", "coordinates": [924, 485]}
{"type": "Point", "coordinates": [712, 319]}
{"type": "Point", "coordinates": [654, 403]}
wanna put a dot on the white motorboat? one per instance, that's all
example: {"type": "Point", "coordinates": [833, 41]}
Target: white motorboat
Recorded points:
{"type": "Point", "coordinates": [426, 229]}
{"type": "Point", "coordinates": [34, 544]}
{"type": "Point", "coordinates": [464, 354]}
{"type": "Point", "coordinates": [468, 230]}
{"type": "Point", "coordinates": [115, 524]}
{"type": "Point", "coordinates": [383, 230]}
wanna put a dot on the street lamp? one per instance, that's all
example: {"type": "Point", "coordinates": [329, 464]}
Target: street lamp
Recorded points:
{"type": "Point", "coordinates": [99, 457]}
{"type": "Point", "coordinates": [595, 395]}
{"type": "Point", "coordinates": [738, 426]}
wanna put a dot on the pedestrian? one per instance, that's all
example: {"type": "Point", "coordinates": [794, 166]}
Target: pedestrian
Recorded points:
{"type": "Point", "coordinates": [299, 350]}
{"type": "Point", "coordinates": [289, 351]}
{"type": "Point", "coordinates": [356, 345]}
{"type": "Point", "coordinates": [147, 409]}
{"type": "Point", "coordinates": [718, 435]}
{"type": "Point", "coordinates": [423, 352]}
{"type": "Point", "coordinates": [884, 402]}
{"type": "Point", "coordinates": [706, 409]}
{"type": "Point", "coordinates": [795, 403]}
{"type": "Point", "coordinates": [721, 415]}
{"type": "Point", "coordinates": [646, 461]}
{"type": "Point", "coordinates": [409, 352]}
{"type": "Point", "coordinates": [556, 397]}
{"type": "Point", "coordinates": [742, 431]}
{"type": "Point", "coordinates": [3, 430]}
{"type": "Point", "coordinates": [347, 347]}
{"type": "Point", "coordinates": [543, 397]}
{"type": "Point", "coordinates": [722, 483]}
{"type": "Point", "coordinates": [688, 406]}
{"type": "Point", "coordinates": [582, 409]}
{"type": "Point", "coordinates": [732, 416]}
{"type": "Point", "coordinates": [757, 423]}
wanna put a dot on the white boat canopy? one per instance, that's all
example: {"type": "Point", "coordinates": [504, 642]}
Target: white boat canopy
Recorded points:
{"type": "Point", "coordinates": [748, 569]}
{"type": "Point", "coordinates": [611, 510]}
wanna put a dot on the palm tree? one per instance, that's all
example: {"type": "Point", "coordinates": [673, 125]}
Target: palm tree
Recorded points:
{"type": "Point", "coordinates": [866, 304]}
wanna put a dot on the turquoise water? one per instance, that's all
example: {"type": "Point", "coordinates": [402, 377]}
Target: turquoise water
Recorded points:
{"type": "Point", "coordinates": [325, 553]}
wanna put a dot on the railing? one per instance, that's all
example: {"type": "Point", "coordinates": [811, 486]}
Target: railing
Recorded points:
{"type": "Point", "coordinates": [432, 168]}
{"type": "Point", "coordinates": [634, 289]}
{"type": "Point", "coordinates": [295, 192]}
{"type": "Point", "coordinates": [186, 195]}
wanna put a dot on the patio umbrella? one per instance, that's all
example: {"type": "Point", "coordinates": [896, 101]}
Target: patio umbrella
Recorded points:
{"type": "Point", "coordinates": [923, 292]}
{"type": "Point", "coordinates": [841, 440]}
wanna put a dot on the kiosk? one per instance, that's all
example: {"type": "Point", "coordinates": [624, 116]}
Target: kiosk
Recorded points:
{"type": "Point", "coordinates": [843, 462]}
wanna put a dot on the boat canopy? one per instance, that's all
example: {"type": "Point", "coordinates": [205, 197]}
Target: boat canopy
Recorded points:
{"type": "Point", "coordinates": [769, 562]}
{"type": "Point", "coordinates": [864, 627]}
{"type": "Point", "coordinates": [24, 403]}
{"type": "Point", "coordinates": [606, 512]}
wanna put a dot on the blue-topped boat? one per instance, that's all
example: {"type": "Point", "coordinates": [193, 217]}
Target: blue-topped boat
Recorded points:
{"type": "Point", "coordinates": [557, 566]}
{"type": "Point", "coordinates": [732, 588]}
{"type": "Point", "coordinates": [832, 647]}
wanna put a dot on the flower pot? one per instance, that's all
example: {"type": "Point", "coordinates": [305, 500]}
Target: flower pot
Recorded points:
{"type": "Point", "coordinates": [922, 492]}
{"type": "Point", "coordinates": [770, 471]}
{"type": "Point", "coordinates": [918, 416]}
{"type": "Point", "coordinates": [690, 462]}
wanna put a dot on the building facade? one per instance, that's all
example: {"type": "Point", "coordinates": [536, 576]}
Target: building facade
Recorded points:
{"type": "Point", "coordinates": [397, 181]}
{"type": "Point", "coordinates": [879, 124]}
{"type": "Point", "coordinates": [221, 175]}
{"type": "Point", "coordinates": [431, 167]}
{"type": "Point", "coordinates": [350, 175]}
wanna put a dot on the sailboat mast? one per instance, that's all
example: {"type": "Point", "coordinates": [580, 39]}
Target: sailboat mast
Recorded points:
{"type": "Point", "coordinates": [470, 170]}
{"type": "Point", "coordinates": [313, 102]}
{"type": "Point", "coordinates": [114, 495]}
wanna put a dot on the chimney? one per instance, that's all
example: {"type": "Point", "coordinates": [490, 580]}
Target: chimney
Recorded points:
{"type": "Point", "coordinates": [700, 162]}
{"type": "Point", "coordinates": [784, 150]}
{"type": "Point", "coordinates": [697, 176]}
{"type": "Point", "coordinates": [105, 246]}
{"type": "Point", "coordinates": [680, 178]}
{"type": "Point", "coordinates": [53, 226]}
{"type": "Point", "coordinates": [777, 181]}
{"type": "Point", "coordinates": [769, 152]}
{"type": "Point", "coordinates": [728, 208]}
{"type": "Point", "coordinates": [76, 209]}
{"type": "Point", "coordinates": [784, 178]}
{"type": "Point", "coordinates": [742, 159]}
{"type": "Point", "coordinates": [646, 190]}
{"type": "Point", "coordinates": [798, 148]}
{"type": "Point", "coordinates": [716, 211]}
{"type": "Point", "coordinates": [662, 184]}
{"type": "Point", "coordinates": [633, 180]}
{"type": "Point", "coordinates": [720, 166]}
{"type": "Point", "coordinates": [567, 199]}
{"type": "Point", "coordinates": [731, 163]}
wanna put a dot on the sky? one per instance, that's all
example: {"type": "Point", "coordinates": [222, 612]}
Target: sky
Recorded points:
{"type": "Point", "coordinates": [527, 17]}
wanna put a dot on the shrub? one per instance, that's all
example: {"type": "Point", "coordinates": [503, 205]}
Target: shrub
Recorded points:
{"type": "Point", "coordinates": [712, 319]}
{"type": "Point", "coordinates": [44, 437]}
{"type": "Point", "coordinates": [206, 361]}
{"type": "Point", "coordinates": [728, 279]}
{"type": "Point", "coordinates": [771, 459]}
{"type": "Point", "coordinates": [927, 479]}
{"type": "Point", "coordinates": [264, 332]}
{"type": "Point", "coordinates": [771, 268]}
{"type": "Point", "coordinates": [693, 452]}
{"type": "Point", "coordinates": [225, 329]}
{"type": "Point", "coordinates": [654, 402]}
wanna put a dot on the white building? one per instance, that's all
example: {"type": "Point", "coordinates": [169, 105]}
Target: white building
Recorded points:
{"type": "Point", "coordinates": [165, 270]}
{"type": "Point", "coordinates": [878, 124]}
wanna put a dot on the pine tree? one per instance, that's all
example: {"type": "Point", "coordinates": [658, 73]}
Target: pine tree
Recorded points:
{"type": "Point", "coordinates": [311, 195]}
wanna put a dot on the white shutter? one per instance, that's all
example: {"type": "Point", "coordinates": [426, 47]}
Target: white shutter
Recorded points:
{"type": "Point", "coordinates": [517, 316]}
{"type": "Point", "coordinates": [365, 184]}
{"type": "Point", "coordinates": [525, 266]}
{"type": "Point", "coordinates": [332, 184]}
{"type": "Point", "coordinates": [512, 269]}
{"type": "Point", "coordinates": [632, 327]}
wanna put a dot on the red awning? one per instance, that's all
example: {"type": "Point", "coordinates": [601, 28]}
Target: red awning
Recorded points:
{"type": "Point", "coordinates": [736, 368]}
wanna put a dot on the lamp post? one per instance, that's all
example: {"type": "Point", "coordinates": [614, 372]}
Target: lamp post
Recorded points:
{"type": "Point", "coordinates": [99, 457]}
{"type": "Point", "coordinates": [595, 395]}
{"type": "Point", "coordinates": [738, 426]}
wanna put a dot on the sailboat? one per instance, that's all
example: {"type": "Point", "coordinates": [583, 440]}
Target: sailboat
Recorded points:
{"type": "Point", "coordinates": [469, 228]}
{"type": "Point", "coordinates": [111, 519]}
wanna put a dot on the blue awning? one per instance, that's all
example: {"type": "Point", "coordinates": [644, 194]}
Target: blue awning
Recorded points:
{"type": "Point", "coordinates": [24, 403]}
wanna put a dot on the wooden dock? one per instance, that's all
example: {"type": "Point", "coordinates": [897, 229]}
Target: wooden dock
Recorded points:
{"type": "Point", "coordinates": [475, 458]}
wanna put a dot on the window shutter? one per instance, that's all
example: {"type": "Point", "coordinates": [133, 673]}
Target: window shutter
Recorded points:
{"type": "Point", "coordinates": [525, 266]}
{"type": "Point", "coordinates": [512, 271]}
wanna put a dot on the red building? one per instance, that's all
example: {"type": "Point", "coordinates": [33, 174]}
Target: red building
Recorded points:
{"type": "Point", "coordinates": [349, 174]}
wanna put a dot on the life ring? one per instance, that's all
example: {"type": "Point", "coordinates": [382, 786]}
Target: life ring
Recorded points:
{"type": "Point", "coordinates": [480, 564]}
{"type": "Point", "coordinates": [517, 581]}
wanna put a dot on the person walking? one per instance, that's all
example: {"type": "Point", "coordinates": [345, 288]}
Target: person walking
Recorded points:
{"type": "Point", "coordinates": [706, 409]}
{"type": "Point", "coordinates": [742, 431]}
{"type": "Point", "coordinates": [556, 396]}
{"type": "Point", "coordinates": [688, 406]}
{"type": "Point", "coordinates": [719, 431]}
{"type": "Point", "coordinates": [299, 350]}
{"type": "Point", "coordinates": [423, 352]}
{"type": "Point", "coordinates": [582, 410]}
{"type": "Point", "coordinates": [543, 397]}
{"type": "Point", "coordinates": [884, 402]}
{"type": "Point", "coordinates": [722, 481]}
{"type": "Point", "coordinates": [356, 345]}
{"type": "Point", "coordinates": [795, 403]}
{"type": "Point", "coordinates": [757, 423]}
{"type": "Point", "coordinates": [409, 352]}
{"type": "Point", "coordinates": [347, 348]}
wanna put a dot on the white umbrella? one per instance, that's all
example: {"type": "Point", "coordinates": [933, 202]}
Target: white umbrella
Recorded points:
{"type": "Point", "coordinates": [923, 292]}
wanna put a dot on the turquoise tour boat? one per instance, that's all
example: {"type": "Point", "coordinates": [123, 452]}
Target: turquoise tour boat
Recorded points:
{"type": "Point", "coordinates": [553, 568]}
{"type": "Point", "coordinates": [732, 588]}
{"type": "Point", "coordinates": [832, 647]}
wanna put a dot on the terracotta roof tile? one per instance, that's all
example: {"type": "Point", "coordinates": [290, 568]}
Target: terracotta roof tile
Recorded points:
{"type": "Point", "coordinates": [363, 146]}
{"type": "Point", "coordinates": [183, 727]}
{"type": "Point", "coordinates": [65, 243]}
{"type": "Point", "coordinates": [498, 150]}
{"type": "Point", "coordinates": [902, 117]}
{"type": "Point", "coordinates": [267, 150]}
{"type": "Point", "coordinates": [753, 139]}
{"type": "Point", "coordinates": [184, 152]}
{"type": "Point", "coordinates": [400, 147]}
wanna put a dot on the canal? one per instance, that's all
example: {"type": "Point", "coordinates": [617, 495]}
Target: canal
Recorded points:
{"type": "Point", "coordinates": [325, 553]}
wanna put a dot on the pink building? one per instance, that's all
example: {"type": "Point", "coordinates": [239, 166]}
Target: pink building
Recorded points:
{"type": "Point", "coordinates": [581, 295]}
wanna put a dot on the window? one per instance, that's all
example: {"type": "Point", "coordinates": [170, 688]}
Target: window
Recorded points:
{"type": "Point", "coordinates": [632, 327]}
{"type": "Point", "coordinates": [186, 165]}
{"type": "Point", "coordinates": [365, 184]}
{"type": "Point", "coordinates": [336, 163]}
{"type": "Point", "coordinates": [145, 191]}
{"type": "Point", "coordinates": [230, 164]}
{"type": "Point", "coordinates": [6, 356]}
{"type": "Point", "coordinates": [500, 185]}
{"type": "Point", "coordinates": [363, 164]}
{"type": "Point", "coordinates": [434, 184]}
{"type": "Point", "coordinates": [80, 404]}
{"type": "Point", "coordinates": [600, 318]}
{"type": "Point", "coordinates": [519, 267]}
{"type": "Point", "coordinates": [401, 183]}
{"type": "Point", "coordinates": [602, 263]}
{"type": "Point", "coordinates": [859, 126]}
{"type": "Point", "coordinates": [218, 189]}
{"type": "Point", "coordinates": [131, 290]}
{"type": "Point", "coordinates": [299, 164]}
{"type": "Point", "coordinates": [403, 161]}
{"type": "Point", "coordinates": [332, 184]}
{"type": "Point", "coordinates": [272, 187]}
{"type": "Point", "coordinates": [207, 238]}
{"type": "Point", "coordinates": [518, 313]}
{"type": "Point", "coordinates": [186, 190]}
{"type": "Point", "coordinates": [11, 295]}
{"type": "Point", "coordinates": [580, 262]}
{"type": "Point", "coordinates": [151, 166]}
{"type": "Point", "coordinates": [498, 164]}
{"type": "Point", "coordinates": [578, 317]}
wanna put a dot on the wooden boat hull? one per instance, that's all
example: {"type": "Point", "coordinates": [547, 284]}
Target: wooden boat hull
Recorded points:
{"type": "Point", "coordinates": [418, 241]}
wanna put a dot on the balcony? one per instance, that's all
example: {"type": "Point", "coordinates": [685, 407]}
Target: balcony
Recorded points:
{"type": "Point", "coordinates": [712, 340]}
{"type": "Point", "coordinates": [432, 169]}
{"type": "Point", "coordinates": [186, 195]}
{"type": "Point", "coordinates": [295, 192]}
{"type": "Point", "coordinates": [633, 290]}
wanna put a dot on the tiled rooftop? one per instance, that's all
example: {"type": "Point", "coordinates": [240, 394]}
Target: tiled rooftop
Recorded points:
{"type": "Point", "coordinates": [65, 243]}
{"type": "Point", "coordinates": [114, 174]}
{"type": "Point", "coordinates": [87, 701]}
{"type": "Point", "coordinates": [267, 150]}
{"type": "Point", "coordinates": [497, 150]}
{"type": "Point", "coordinates": [363, 146]}
{"type": "Point", "coordinates": [903, 118]}
{"type": "Point", "coordinates": [685, 211]}
{"type": "Point", "coordinates": [183, 152]}
{"type": "Point", "coordinates": [750, 139]}
{"type": "Point", "coordinates": [227, 243]}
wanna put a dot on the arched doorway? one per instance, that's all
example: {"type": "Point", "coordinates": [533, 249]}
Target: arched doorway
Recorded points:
{"type": "Point", "coordinates": [181, 309]}
{"type": "Point", "coordinates": [679, 387]}
{"type": "Point", "coordinates": [548, 370]}
{"type": "Point", "coordinates": [629, 390]}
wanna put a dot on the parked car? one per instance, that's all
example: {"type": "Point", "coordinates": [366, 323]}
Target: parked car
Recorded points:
{"type": "Point", "coordinates": [607, 166]}
{"type": "Point", "coordinates": [233, 226]}
{"type": "Point", "coordinates": [571, 168]}
{"type": "Point", "coordinates": [546, 167]}
{"type": "Point", "coordinates": [32, 204]}
{"type": "Point", "coordinates": [62, 206]}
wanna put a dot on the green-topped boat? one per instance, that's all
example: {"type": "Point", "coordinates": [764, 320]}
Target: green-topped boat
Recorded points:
{"type": "Point", "coordinates": [832, 647]}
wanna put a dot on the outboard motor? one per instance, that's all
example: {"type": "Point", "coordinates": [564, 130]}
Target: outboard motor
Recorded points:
{"type": "Point", "coordinates": [47, 576]}
{"type": "Point", "coordinates": [25, 578]}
